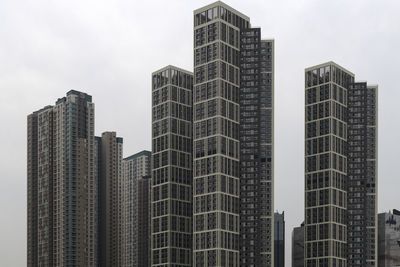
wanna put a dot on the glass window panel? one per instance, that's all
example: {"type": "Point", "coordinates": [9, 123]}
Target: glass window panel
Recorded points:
{"type": "Point", "coordinates": [215, 12]}
{"type": "Point", "coordinates": [209, 14]}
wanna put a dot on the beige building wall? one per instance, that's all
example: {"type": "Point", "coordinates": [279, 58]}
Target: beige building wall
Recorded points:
{"type": "Point", "coordinates": [62, 188]}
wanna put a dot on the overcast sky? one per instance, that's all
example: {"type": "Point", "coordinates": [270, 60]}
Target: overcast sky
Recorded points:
{"type": "Point", "coordinates": [110, 48]}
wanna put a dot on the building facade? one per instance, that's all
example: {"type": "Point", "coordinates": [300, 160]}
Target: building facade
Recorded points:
{"type": "Point", "coordinates": [136, 210]}
{"type": "Point", "coordinates": [216, 191]}
{"type": "Point", "coordinates": [32, 194]}
{"type": "Point", "coordinates": [109, 199]}
{"type": "Point", "coordinates": [256, 98]}
{"type": "Point", "coordinates": [171, 203]}
{"type": "Point", "coordinates": [389, 239]}
{"type": "Point", "coordinates": [362, 234]}
{"type": "Point", "coordinates": [279, 239]}
{"type": "Point", "coordinates": [326, 165]}
{"type": "Point", "coordinates": [298, 246]}
{"type": "Point", "coordinates": [62, 188]}
{"type": "Point", "coordinates": [340, 168]}
{"type": "Point", "coordinates": [233, 140]}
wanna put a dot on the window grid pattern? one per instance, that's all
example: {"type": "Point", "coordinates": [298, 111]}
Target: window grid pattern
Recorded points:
{"type": "Point", "coordinates": [256, 149]}
{"type": "Point", "coordinates": [136, 207]}
{"type": "Point", "coordinates": [62, 183]}
{"type": "Point", "coordinates": [172, 147]}
{"type": "Point", "coordinates": [216, 135]}
{"type": "Point", "coordinates": [362, 187]}
{"type": "Point", "coordinates": [326, 165]}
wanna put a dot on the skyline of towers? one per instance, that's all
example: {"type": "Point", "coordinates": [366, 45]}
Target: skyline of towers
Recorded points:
{"type": "Point", "coordinates": [340, 168]}
{"type": "Point", "coordinates": [209, 190]}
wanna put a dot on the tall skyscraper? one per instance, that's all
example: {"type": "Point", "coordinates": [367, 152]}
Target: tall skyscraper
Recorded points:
{"type": "Point", "coordinates": [340, 168]}
{"type": "Point", "coordinates": [136, 210]}
{"type": "Point", "coordinates": [326, 165]}
{"type": "Point", "coordinates": [62, 188]}
{"type": "Point", "coordinates": [233, 140]}
{"type": "Point", "coordinates": [256, 99]}
{"type": "Point", "coordinates": [109, 199]}
{"type": "Point", "coordinates": [279, 239]}
{"type": "Point", "coordinates": [389, 239]}
{"type": "Point", "coordinates": [171, 167]}
{"type": "Point", "coordinates": [362, 188]}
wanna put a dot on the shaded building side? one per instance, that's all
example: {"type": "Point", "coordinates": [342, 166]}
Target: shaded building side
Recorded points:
{"type": "Point", "coordinates": [136, 210]}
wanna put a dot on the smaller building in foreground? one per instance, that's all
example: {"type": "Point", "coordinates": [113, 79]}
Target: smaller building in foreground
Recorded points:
{"type": "Point", "coordinates": [279, 239]}
{"type": "Point", "coordinates": [389, 239]}
{"type": "Point", "coordinates": [298, 246]}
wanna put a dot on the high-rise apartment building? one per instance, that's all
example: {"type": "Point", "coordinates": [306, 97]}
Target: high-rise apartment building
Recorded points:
{"type": "Point", "coordinates": [136, 187]}
{"type": "Point", "coordinates": [109, 199]}
{"type": "Point", "coordinates": [389, 239]}
{"type": "Point", "coordinates": [216, 199]}
{"type": "Point", "coordinates": [340, 168]}
{"type": "Point", "coordinates": [40, 187]}
{"type": "Point", "coordinates": [256, 98]}
{"type": "Point", "coordinates": [362, 186]}
{"type": "Point", "coordinates": [62, 189]}
{"type": "Point", "coordinates": [326, 165]}
{"type": "Point", "coordinates": [171, 203]}
{"type": "Point", "coordinates": [233, 140]}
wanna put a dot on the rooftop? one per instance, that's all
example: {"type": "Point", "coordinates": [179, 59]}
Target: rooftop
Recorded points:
{"type": "Point", "coordinates": [139, 154]}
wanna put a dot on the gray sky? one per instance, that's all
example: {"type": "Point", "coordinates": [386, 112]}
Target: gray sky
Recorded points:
{"type": "Point", "coordinates": [109, 49]}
